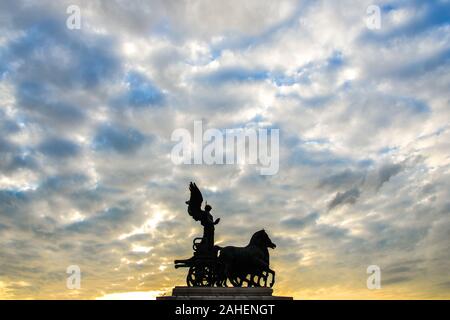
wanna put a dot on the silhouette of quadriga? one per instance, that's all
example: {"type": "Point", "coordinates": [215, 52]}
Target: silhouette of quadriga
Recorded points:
{"type": "Point", "coordinates": [212, 265]}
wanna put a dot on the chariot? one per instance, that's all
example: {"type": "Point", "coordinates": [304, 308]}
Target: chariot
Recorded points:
{"type": "Point", "coordinates": [212, 265]}
{"type": "Point", "coordinates": [203, 266]}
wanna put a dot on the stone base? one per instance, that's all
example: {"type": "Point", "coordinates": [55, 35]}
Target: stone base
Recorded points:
{"type": "Point", "coordinates": [214, 293]}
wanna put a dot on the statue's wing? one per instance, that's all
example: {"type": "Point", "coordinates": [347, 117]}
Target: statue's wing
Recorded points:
{"type": "Point", "coordinates": [195, 202]}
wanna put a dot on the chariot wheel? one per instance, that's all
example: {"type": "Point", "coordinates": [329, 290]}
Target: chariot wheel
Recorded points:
{"type": "Point", "coordinates": [200, 276]}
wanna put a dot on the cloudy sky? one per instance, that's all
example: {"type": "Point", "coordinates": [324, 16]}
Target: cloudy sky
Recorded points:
{"type": "Point", "coordinates": [86, 118]}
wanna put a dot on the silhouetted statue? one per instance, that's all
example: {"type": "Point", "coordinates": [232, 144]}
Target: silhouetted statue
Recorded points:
{"type": "Point", "coordinates": [212, 265]}
{"type": "Point", "coordinates": [205, 217]}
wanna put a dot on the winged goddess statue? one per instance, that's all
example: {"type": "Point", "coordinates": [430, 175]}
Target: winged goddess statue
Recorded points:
{"type": "Point", "coordinates": [212, 265]}
{"type": "Point", "coordinates": [204, 216]}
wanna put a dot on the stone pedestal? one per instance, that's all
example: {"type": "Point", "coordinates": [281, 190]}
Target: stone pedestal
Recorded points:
{"type": "Point", "coordinates": [214, 293]}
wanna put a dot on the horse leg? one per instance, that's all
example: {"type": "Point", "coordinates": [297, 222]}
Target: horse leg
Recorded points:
{"type": "Point", "coordinates": [256, 283]}
{"type": "Point", "coordinates": [248, 279]}
{"type": "Point", "coordinates": [251, 281]}
{"type": "Point", "coordinates": [273, 277]}
{"type": "Point", "coordinates": [221, 277]}
{"type": "Point", "coordinates": [244, 279]}
{"type": "Point", "coordinates": [227, 276]}
{"type": "Point", "coordinates": [260, 278]}
{"type": "Point", "coordinates": [255, 280]}
{"type": "Point", "coordinates": [264, 278]}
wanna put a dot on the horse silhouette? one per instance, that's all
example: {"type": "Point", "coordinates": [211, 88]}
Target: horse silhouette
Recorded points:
{"type": "Point", "coordinates": [241, 265]}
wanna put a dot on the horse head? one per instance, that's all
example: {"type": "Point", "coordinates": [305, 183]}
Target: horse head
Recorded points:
{"type": "Point", "coordinates": [261, 238]}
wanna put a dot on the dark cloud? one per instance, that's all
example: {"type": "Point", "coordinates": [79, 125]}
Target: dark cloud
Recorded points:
{"type": "Point", "coordinates": [6, 146]}
{"type": "Point", "coordinates": [8, 126]}
{"type": "Point", "coordinates": [41, 101]}
{"type": "Point", "coordinates": [118, 138]}
{"type": "Point", "coordinates": [59, 148]}
{"type": "Point", "coordinates": [345, 178]}
{"type": "Point", "coordinates": [101, 223]}
{"type": "Point", "coordinates": [423, 65]}
{"type": "Point", "coordinates": [14, 202]}
{"type": "Point", "coordinates": [142, 92]}
{"type": "Point", "coordinates": [63, 58]}
{"type": "Point", "coordinates": [20, 161]}
{"type": "Point", "coordinates": [61, 183]}
{"type": "Point", "coordinates": [348, 197]}
{"type": "Point", "coordinates": [331, 233]}
{"type": "Point", "coordinates": [300, 223]}
{"type": "Point", "coordinates": [386, 172]}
